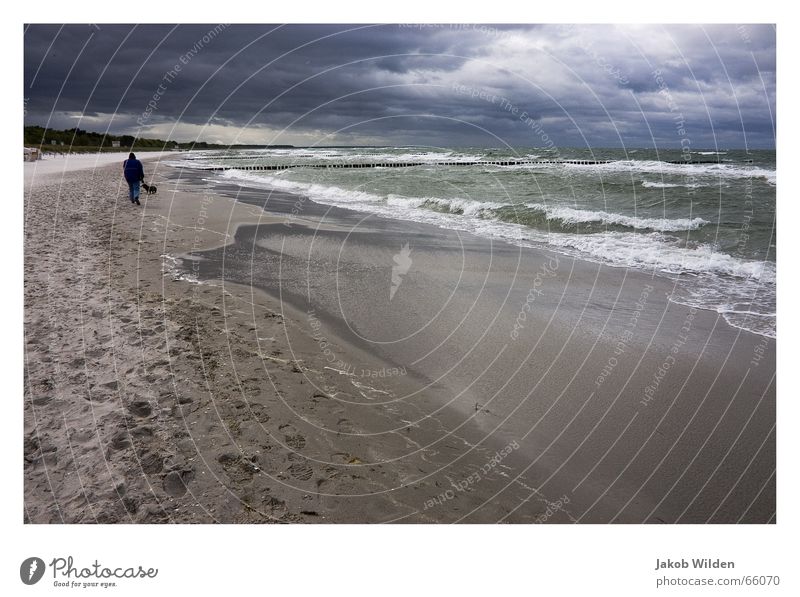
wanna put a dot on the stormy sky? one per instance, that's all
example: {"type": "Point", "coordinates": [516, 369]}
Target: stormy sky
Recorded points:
{"type": "Point", "coordinates": [437, 85]}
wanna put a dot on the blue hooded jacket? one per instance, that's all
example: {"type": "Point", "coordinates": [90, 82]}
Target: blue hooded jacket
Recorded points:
{"type": "Point", "coordinates": [134, 172]}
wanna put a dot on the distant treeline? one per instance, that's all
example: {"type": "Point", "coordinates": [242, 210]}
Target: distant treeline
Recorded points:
{"type": "Point", "coordinates": [36, 136]}
{"type": "Point", "coordinates": [76, 139]}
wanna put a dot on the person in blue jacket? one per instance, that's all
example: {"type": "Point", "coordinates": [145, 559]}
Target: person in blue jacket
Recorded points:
{"type": "Point", "coordinates": [134, 174]}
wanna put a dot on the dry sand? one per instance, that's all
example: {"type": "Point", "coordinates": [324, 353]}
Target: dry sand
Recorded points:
{"type": "Point", "coordinates": [145, 400]}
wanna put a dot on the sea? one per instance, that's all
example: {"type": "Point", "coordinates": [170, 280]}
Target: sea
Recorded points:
{"type": "Point", "coordinates": [708, 226]}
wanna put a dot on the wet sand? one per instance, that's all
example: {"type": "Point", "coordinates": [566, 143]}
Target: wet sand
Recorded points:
{"type": "Point", "coordinates": [630, 406]}
{"type": "Point", "coordinates": [292, 385]}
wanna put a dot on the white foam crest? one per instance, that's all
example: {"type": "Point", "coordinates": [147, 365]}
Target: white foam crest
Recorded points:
{"type": "Point", "coordinates": [707, 170]}
{"type": "Point", "coordinates": [570, 215]}
{"type": "Point", "coordinates": [322, 193]}
{"type": "Point", "coordinates": [456, 205]}
{"type": "Point", "coordinates": [748, 305]}
{"type": "Point", "coordinates": [763, 325]}
{"type": "Point", "coordinates": [669, 185]}
{"type": "Point", "coordinates": [654, 251]}
{"type": "Point", "coordinates": [428, 156]}
{"type": "Point", "coordinates": [305, 156]}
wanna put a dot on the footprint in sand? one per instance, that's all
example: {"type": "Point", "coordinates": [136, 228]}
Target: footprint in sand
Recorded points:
{"type": "Point", "coordinates": [296, 441]}
{"type": "Point", "coordinates": [174, 484]}
{"type": "Point", "coordinates": [151, 463]}
{"type": "Point", "coordinates": [293, 438]}
{"type": "Point", "coordinates": [81, 435]}
{"type": "Point", "coordinates": [259, 412]}
{"type": "Point", "coordinates": [345, 426]}
{"type": "Point", "coordinates": [120, 440]}
{"type": "Point", "coordinates": [140, 408]}
{"type": "Point", "coordinates": [301, 471]}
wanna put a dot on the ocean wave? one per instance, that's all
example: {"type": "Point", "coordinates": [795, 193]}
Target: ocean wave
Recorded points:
{"type": "Point", "coordinates": [563, 217]}
{"type": "Point", "coordinates": [747, 305]}
{"type": "Point", "coordinates": [570, 215]}
{"type": "Point", "coordinates": [669, 185]}
{"type": "Point", "coordinates": [655, 251]}
{"type": "Point", "coordinates": [566, 217]}
{"type": "Point", "coordinates": [305, 155]}
{"type": "Point", "coordinates": [423, 157]}
{"type": "Point", "coordinates": [649, 250]}
{"type": "Point", "coordinates": [712, 277]}
{"type": "Point", "coordinates": [703, 170]}
{"type": "Point", "coordinates": [456, 206]}
{"type": "Point", "coordinates": [756, 323]}
{"type": "Point", "coordinates": [322, 193]}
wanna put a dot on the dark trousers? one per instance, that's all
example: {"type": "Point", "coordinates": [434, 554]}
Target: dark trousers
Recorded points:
{"type": "Point", "coordinates": [133, 186]}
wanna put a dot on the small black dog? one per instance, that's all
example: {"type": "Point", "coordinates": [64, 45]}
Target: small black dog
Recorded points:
{"type": "Point", "coordinates": [150, 188]}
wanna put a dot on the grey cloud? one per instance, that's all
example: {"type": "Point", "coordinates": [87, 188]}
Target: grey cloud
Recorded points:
{"type": "Point", "coordinates": [317, 79]}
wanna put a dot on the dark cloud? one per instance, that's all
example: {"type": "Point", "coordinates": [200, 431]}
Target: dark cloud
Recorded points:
{"type": "Point", "coordinates": [404, 84]}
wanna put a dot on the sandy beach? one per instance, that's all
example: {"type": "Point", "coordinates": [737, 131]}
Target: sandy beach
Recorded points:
{"type": "Point", "coordinates": [414, 283]}
{"type": "Point", "coordinates": [225, 354]}
{"type": "Point", "coordinates": [150, 398]}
